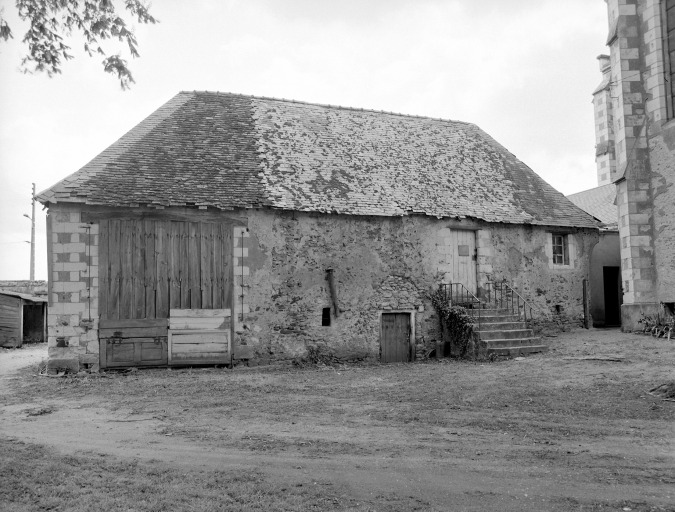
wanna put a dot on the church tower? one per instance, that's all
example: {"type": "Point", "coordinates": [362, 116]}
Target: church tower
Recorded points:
{"type": "Point", "coordinates": [604, 129]}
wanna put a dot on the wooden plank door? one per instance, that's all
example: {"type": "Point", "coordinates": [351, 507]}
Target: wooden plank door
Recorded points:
{"type": "Point", "coordinates": [395, 338]}
{"type": "Point", "coordinates": [462, 258]}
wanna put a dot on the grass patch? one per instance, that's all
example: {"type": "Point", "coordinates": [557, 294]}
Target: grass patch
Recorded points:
{"type": "Point", "coordinates": [37, 479]}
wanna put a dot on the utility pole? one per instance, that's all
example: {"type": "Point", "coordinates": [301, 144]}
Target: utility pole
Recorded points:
{"type": "Point", "coordinates": [32, 236]}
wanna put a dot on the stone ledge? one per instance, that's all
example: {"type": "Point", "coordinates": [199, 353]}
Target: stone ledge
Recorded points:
{"type": "Point", "coordinates": [631, 313]}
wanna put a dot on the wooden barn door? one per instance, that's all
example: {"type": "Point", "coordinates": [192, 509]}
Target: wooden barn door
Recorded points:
{"type": "Point", "coordinates": [395, 338]}
{"type": "Point", "coordinates": [148, 267]}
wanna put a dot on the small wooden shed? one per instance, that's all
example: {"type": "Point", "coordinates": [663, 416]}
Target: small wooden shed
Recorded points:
{"type": "Point", "coordinates": [23, 317]}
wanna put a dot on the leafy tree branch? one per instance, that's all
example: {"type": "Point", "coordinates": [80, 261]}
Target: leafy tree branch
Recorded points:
{"type": "Point", "coordinates": [50, 21]}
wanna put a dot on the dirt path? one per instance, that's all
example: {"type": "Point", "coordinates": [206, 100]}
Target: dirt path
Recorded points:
{"type": "Point", "coordinates": [73, 428]}
{"type": "Point", "coordinates": [506, 436]}
{"type": "Point", "coordinates": [12, 360]}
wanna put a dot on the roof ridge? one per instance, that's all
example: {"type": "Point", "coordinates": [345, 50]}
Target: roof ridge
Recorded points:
{"type": "Point", "coordinates": [328, 105]}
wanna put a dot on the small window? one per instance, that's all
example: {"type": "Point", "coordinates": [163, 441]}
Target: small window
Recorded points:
{"type": "Point", "coordinates": [561, 251]}
{"type": "Point", "coordinates": [325, 317]}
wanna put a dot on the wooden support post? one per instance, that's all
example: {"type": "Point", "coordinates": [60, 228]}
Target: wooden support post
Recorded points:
{"type": "Point", "coordinates": [585, 285]}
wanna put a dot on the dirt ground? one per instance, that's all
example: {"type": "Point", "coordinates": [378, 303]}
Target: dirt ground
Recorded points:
{"type": "Point", "coordinates": [571, 429]}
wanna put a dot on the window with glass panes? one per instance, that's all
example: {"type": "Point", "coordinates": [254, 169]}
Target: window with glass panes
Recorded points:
{"type": "Point", "coordinates": [560, 250]}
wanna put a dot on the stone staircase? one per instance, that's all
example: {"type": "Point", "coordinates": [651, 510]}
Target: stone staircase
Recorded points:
{"type": "Point", "coordinates": [501, 332]}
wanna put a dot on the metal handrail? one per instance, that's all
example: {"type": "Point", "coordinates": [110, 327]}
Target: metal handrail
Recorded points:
{"type": "Point", "coordinates": [508, 298]}
{"type": "Point", "coordinates": [464, 297]}
{"type": "Point", "coordinates": [497, 293]}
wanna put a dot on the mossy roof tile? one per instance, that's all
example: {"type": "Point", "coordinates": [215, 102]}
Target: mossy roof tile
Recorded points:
{"type": "Point", "coordinates": [227, 151]}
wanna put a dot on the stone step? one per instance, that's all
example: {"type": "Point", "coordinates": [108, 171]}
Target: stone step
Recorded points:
{"type": "Point", "coordinates": [496, 312]}
{"type": "Point", "coordinates": [502, 334]}
{"type": "Point", "coordinates": [506, 342]}
{"type": "Point", "coordinates": [501, 318]}
{"type": "Point", "coordinates": [489, 313]}
{"type": "Point", "coordinates": [516, 351]}
{"type": "Point", "coordinates": [507, 325]}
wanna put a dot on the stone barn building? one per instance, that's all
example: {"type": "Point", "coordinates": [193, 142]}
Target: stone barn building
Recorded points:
{"type": "Point", "coordinates": [231, 227]}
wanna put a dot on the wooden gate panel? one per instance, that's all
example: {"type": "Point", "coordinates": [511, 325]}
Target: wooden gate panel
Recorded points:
{"type": "Point", "coordinates": [194, 261]}
{"type": "Point", "coordinates": [150, 268]}
{"type": "Point", "coordinates": [133, 342]}
{"type": "Point", "coordinates": [218, 268]}
{"type": "Point", "coordinates": [126, 264]}
{"type": "Point", "coordinates": [133, 352]}
{"type": "Point", "coordinates": [103, 268]}
{"type": "Point", "coordinates": [138, 256]}
{"type": "Point", "coordinates": [173, 229]}
{"type": "Point", "coordinates": [161, 265]}
{"type": "Point", "coordinates": [206, 259]}
{"type": "Point", "coordinates": [227, 287]}
{"type": "Point", "coordinates": [114, 289]}
{"type": "Point", "coordinates": [199, 336]}
{"type": "Point", "coordinates": [184, 266]}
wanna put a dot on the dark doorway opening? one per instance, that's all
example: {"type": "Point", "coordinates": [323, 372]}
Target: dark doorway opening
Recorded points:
{"type": "Point", "coordinates": [611, 277]}
{"type": "Point", "coordinates": [325, 317]}
{"type": "Point", "coordinates": [33, 323]}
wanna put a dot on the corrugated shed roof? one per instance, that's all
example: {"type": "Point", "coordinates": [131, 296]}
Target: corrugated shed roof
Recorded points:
{"type": "Point", "coordinates": [24, 296]}
{"type": "Point", "coordinates": [224, 151]}
{"type": "Point", "coordinates": [600, 202]}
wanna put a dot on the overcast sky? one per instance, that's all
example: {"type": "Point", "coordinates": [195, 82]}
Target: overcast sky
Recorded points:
{"type": "Point", "coordinates": [522, 70]}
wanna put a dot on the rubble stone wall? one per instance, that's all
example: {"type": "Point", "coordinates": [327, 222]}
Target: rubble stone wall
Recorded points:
{"type": "Point", "coordinates": [281, 262]}
{"type": "Point", "coordinates": [522, 257]}
{"type": "Point", "coordinates": [382, 264]}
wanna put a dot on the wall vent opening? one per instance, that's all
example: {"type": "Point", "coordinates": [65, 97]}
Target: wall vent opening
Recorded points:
{"type": "Point", "coordinates": [325, 317]}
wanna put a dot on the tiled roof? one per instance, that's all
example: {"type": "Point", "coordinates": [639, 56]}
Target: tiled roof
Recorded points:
{"type": "Point", "coordinates": [599, 202]}
{"type": "Point", "coordinates": [225, 151]}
